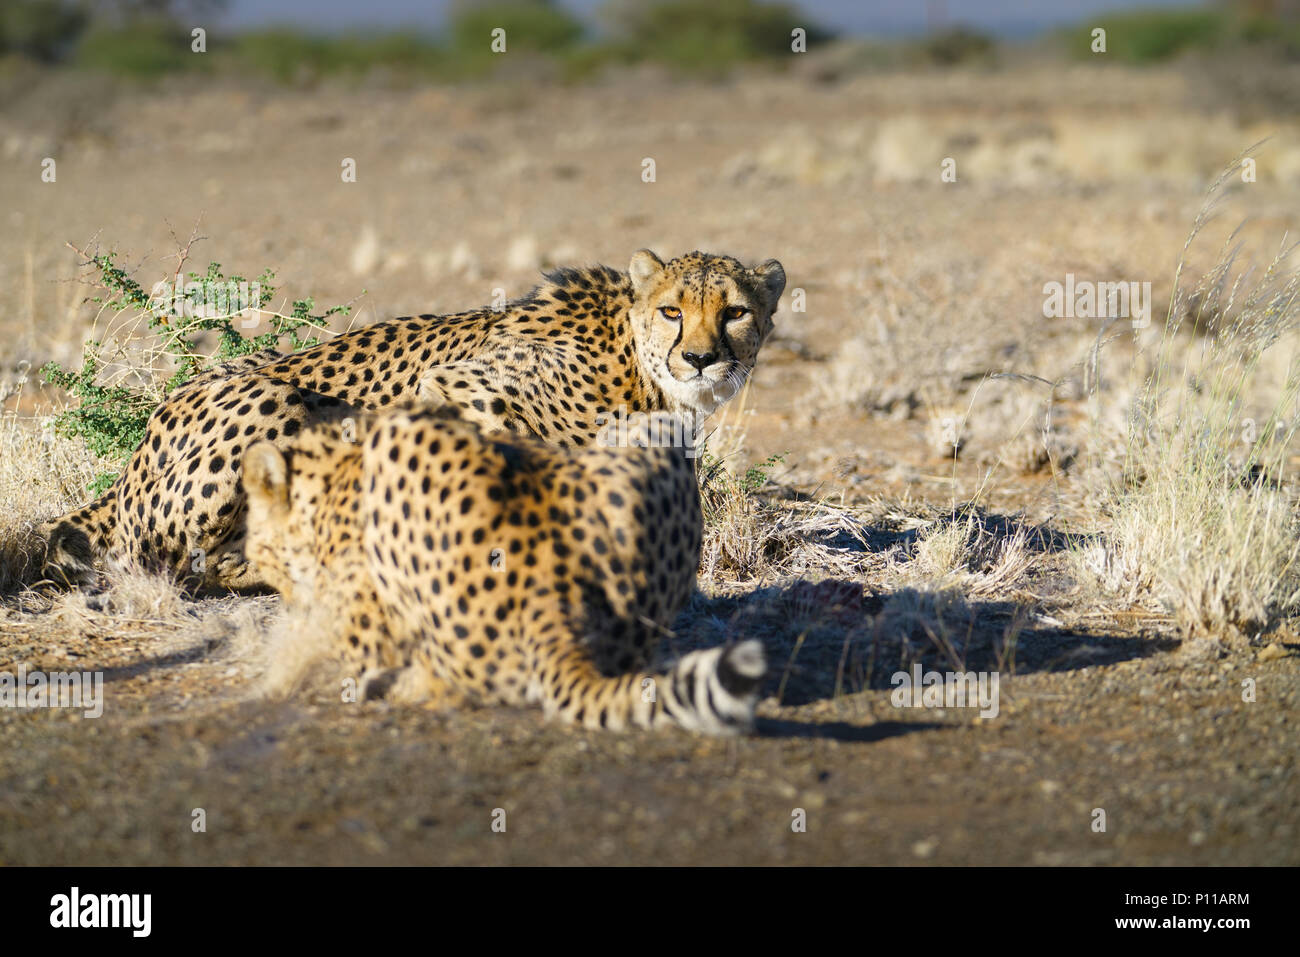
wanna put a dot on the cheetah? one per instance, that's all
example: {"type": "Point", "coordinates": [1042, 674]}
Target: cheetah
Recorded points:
{"type": "Point", "coordinates": [453, 567]}
{"type": "Point", "coordinates": [586, 344]}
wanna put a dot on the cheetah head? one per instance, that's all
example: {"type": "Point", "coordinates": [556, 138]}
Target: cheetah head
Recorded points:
{"type": "Point", "coordinates": [699, 322]}
{"type": "Point", "coordinates": [281, 541]}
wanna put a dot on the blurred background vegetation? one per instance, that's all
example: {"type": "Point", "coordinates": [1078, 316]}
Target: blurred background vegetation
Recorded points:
{"type": "Point", "coordinates": [150, 39]}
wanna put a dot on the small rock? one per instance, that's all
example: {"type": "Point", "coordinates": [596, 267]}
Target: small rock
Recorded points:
{"type": "Point", "coordinates": [1273, 652]}
{"type": "Point", "coordinates": [365, 255]}
{"type": "Point", "coordinates": [522, 254]}
{"type": "Point", "coordinates": [462, 260]}
{"type": "Point", "coordinates": [814, 800]}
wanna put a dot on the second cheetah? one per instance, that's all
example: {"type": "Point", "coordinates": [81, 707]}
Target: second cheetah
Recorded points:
{"type": "Point", "coordinates": [452, 566]}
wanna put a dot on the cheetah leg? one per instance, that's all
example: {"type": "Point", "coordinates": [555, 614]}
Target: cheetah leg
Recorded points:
{"type": "Point", "coordinates": [76, 541]}
{"type": "Point", "coordinates": [382, 661]}
{"type": "Point", "coordinates": [414, 685]}
{"type": "Point", "coordinates": [471, 387]}
{"type": "Point", "coordinates": [85, 536]}
{"type": "Point", "coordinates": [228, 566]}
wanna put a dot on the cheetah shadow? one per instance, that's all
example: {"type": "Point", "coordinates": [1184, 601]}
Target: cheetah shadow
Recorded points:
{"type": "Point", "coordinates": [826, 638]}
{"type": "Point", "coordinates": [840, 730]}
{"type": "Point", "coordinates": [834, 636]}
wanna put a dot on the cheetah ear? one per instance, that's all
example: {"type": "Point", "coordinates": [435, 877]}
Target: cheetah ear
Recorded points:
{"type": "Point", "coordinates": [266, 477]}
{"type": "Point", "coordinates": [772, 275]}
{"type": "Point", "coordinates": [645, 266]}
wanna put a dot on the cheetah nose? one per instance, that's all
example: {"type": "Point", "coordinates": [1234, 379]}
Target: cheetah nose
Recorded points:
{"type": "Point", "coordinates": [700, 361]}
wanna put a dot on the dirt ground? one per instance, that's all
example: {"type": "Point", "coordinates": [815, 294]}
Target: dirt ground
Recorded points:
{"type": "Point", "coordinates": [914, 290]}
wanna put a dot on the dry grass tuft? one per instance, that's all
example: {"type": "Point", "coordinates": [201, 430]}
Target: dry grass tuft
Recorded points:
{"type": "Point", "coordinates": [22, 553]}
{"type": "Point", "coordinates": [1197, 510]}
{"type": "Point", "coordinates": [913, 621]}
{"type": "Point", "coordinates": [749, 540]}
{"type": "Point", "coordinates": [130, 596]}
{"type": "Point", "coordinates": [41, 477]}
{"type": "Point", "coordinates": [969, 552]}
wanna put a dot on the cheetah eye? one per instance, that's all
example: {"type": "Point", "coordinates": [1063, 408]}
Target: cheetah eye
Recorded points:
{"type": "Point", "coordinates": [733, 312]}
{"type": "Point", "coordinates": [671, 313]}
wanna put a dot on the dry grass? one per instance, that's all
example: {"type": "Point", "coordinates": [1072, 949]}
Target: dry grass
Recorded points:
{"type": "Point", "coordinates": [41, 476]}
{"type": "Point", "coordinates": [1198, 506]}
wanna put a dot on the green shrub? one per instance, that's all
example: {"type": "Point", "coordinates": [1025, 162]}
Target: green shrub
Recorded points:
{"type": "Point", "coordinates": [110, 417]}
{"type": "Point", "coordinates": [44, 30]}
{"type": "Point", "coordinates": [721, 492]}
{"type": "Point", "coordinates": [144, 49]}
{"type": "Point", "coordinates": [537, 26]}
{"type": "Point", "coordinates": [1261, 31]}
{"type": "Point", "coordinates": [151, 39]}
{"type": "Point", "coordinates": [706, 37]}
{"type": "Point", "coordinates": [288, 55]}
{"type": "Point", "coordinates": [1149, 36]}
{"type": "Point", "coordinates": [957, 46]}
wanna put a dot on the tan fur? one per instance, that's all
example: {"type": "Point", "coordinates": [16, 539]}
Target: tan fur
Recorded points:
{"type": "Point", "coordinates": [456, 567]}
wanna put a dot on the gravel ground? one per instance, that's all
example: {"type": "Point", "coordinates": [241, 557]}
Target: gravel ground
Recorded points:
{"type": "Point", "coordinates": [1185, 771]}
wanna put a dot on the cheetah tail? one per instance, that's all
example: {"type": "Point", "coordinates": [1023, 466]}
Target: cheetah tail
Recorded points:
{"type": "Point", "coordinates": [75, 541]}
{"type": "Point", "coordinates": [711, 692]}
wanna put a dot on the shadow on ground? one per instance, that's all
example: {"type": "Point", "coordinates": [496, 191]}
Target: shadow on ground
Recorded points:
{"type": "Point", "coordinates": [840, 730]}
{"type": "Point", "coordinates": [835, 635]}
